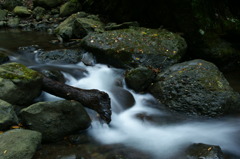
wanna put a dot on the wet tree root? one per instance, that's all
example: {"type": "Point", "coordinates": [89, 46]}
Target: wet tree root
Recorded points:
{"type": "Point", "coordinates": [93, 99]}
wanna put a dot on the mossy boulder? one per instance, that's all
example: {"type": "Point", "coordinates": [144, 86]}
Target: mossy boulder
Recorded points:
{"type": "Point", "coordinates": [13, 22]}
{"type": "Point", "coordinates": [19, 144]}
{"type": "Point", "coordinates": [136, 46]}
{"type": "Point", "coordinates": [79, 25]}
{"type": "Point", "coordinates": [8, 116]}
{"type": "Point", "coordinates": [18, 84]}
{"type": "Point", "coordinates": [70, 7]}
{"type": "Point", "coordinates": [47, 3]}
{"type": "Point", "coordinates": [39, 12]}
{"type": "Point", "coordinates": [55, 119]}
{"type": "Point", "coordinates": [21, 11]}
{"type": "Point", "coordinates": [139, 78]}
{"type": "Point", "coordinates": [3, 14]}
{"type": "Point", "coordinates": [196, 87]}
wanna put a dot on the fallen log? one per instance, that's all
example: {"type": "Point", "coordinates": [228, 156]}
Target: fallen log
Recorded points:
{"type": "Point", "coordinates": [93, 99]}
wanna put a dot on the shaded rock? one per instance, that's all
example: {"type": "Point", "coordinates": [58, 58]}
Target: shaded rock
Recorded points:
{"type": "Point", "coordinates": [55, 119]}
{"type": "Point", "coordinates": [197, 151]}
{"type": "Point", "coordinates": [219, 50]}
{"type": "Point", "coordinates": [79, 25]}
{"type": "Point", "coordinates": [125, 25]}
{"type": "Point", "coordinates": [19, 144]}
{"type": "Point", "coordinates": [70, 7]}
{"type": "Point", "coordinates": [21, 11]}
{"type": "Point", "coordinates": [8, 116]}
{"type": "Point", "coordinates": [63, 56]}
{"type": "Point", "coordinates": [18, 84]}
{"type": "Point", "coordinates": [196, 87]}
{"type": "Point", "coordinates": [13, 22]}
{"type": "Point", "coordinates": [11, 4]}
{"type": "Point", "coordinates": [136, 46]}
{"type": "Point", "coordinates": [3, 57]}
{"type": "Point", "coordinates": [39, 13]}
{"type": "Point", "coordinates": [47, 3]}
{"type": "Point", "coordinates": [3, 14]}
{"type": "Point", "coordinates": [139, 78]}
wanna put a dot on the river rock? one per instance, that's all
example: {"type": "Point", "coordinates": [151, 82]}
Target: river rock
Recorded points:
{"type": "Point", "coordinates": [195, 87]}
{"type": "Point", "coordinates": [39, 12]}
{"type": "Point", "coordinates": [19, 144]}
{"type": "Point", "coordinates": [3, 14]}
{"type": "Point", "coordinates": [8, 116]}
{"type": "Point", "coordinates": [55, 119]}
{"type": "Point", "coordinates": [70, 7]}
{"type": "Point", "coordinates": [63, 56]}
{"type": "Point", "coordinates": [13, 22]}
{"type": "Point", "coordinates": [140, 78]}
{"type": "Point", "coordinates": [136, 46]}
{"type": "Point", "coordinates": [21, 11]}
{"type": "Point", "coordinates": [204, 151]}
{"type": "Point", "coordinates": [79, 25]}
{"type": "Point", "coordinates": [18, 84]}
{"type": "Point", "coordinates": [47, 3]}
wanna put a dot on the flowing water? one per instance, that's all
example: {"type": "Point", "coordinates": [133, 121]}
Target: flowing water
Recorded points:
{"type": "Point", "coordinates": [136, 126]}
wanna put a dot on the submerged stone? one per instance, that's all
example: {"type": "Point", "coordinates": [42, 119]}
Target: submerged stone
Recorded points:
{"type": "Point", "coordinates": [136, 46]}
{"type": "Point", "coordinates": [47, 3]}
{"type": "Point", "coordinates": [196, 87]}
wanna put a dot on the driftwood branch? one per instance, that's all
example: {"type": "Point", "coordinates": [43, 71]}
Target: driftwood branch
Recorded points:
{"type": "Point", "coordinates": [93, 99]}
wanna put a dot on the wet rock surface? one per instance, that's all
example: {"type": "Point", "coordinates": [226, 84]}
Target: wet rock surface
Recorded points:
{"type": "Point", "coordinates": [196, 151]}
{"type": "Point", "coordinates": [197, 88]}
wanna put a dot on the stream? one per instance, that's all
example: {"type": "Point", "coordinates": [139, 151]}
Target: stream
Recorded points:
{"type": "Point", "coordinates": [141, 126]}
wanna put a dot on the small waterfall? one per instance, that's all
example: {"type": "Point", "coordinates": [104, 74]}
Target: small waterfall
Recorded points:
{"type": "Point", "coordinates": [129, 127]}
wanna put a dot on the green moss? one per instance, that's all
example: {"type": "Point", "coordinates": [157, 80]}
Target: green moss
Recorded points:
{"type": "Point", "coordinates": [15, 71]}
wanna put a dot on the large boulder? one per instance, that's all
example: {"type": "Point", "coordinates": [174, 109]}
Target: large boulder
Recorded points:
{"type": "Point", "coordinates": [18, 84]}
{"type": "Point", "coordinates": [55, 119]}
{"type": "Point", "coordinates": [70, 7]}
{"type": "Point", "coordinates": [8, 116]}
{"type": "Point", "coordinates": [196, 87]}
{"type": "Point", "coordinates": [19, 144]}
{"type": "Point", "coordinates": [79, 25]}
{"type": "Point", "coordinates": [136, 46]}
{"type": "Point", "coordinates": [47, 3]}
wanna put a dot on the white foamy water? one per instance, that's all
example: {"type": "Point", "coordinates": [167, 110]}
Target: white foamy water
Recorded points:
{"type": "Point", "coordinates": [162, 141]}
